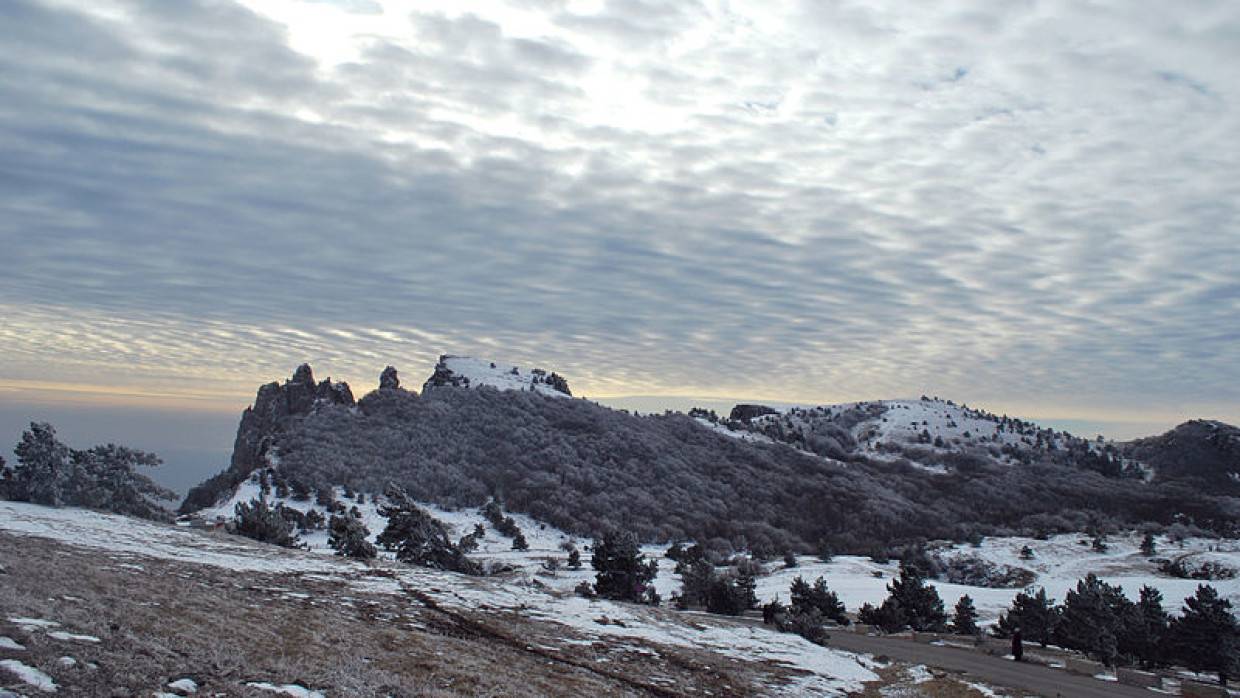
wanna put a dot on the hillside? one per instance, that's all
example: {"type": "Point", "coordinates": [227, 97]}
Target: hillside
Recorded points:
{"type": "Point", "coordinates": [929, 433]}
{"type": "Point", "coordinates": [839, 478]}
{"type": "Point", "coordinates": [138, 606]}
{"type": "Point", "coordinates": [1200, 450]}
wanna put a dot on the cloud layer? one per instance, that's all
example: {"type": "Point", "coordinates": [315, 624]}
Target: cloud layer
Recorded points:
{"type": "Point", "coordinates": [1032, 204]}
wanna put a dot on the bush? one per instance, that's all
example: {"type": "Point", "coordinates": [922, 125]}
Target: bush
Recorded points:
{"type": "Point", "coordinates": [347, 536]}
{"type": "Point", "coordinates": [623, 573]}
{"type": "Point", "coordinates": [263, 523]}
{"type": "Point", "coordinates": [418, 538]}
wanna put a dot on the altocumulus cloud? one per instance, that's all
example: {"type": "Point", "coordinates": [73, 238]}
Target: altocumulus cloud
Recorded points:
{"type": "Point", "coordinates": [1031, 202]}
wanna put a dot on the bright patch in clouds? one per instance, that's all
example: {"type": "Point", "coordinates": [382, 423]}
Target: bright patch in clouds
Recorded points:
{"type": "Point", "coordinates": [1026, 205]}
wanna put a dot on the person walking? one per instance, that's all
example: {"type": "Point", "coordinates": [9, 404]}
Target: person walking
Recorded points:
{"type": "Point", "coordinates": [1018, 649]}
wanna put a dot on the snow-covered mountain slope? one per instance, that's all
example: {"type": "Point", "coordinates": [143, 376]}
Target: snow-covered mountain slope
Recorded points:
{"type": "Point", "coordinates": [920, 432]}
{"type": "Point", "coordinates": [468, 372]}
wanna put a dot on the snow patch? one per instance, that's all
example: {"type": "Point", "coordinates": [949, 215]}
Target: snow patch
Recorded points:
{"type": "Point", "coordinates": [478, 372]}
{"type": "Point", "coordinates": [32, 624]}
{"type": "Point", "coordinates": [8, 643]}
{"type": "Point", "coordinates": [29, 675]}
{"type": "Point", "coordinates": [70, 637]}
{"type": "Point", "coordinates": [288, 689]}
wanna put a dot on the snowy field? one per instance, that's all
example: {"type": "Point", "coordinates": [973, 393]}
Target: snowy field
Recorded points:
{"type": "Point", "coordinates": [1058, 563]}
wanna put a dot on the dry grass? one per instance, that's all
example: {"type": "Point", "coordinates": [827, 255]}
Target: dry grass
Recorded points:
{"type": "Point", "coordinates": [159, 621]}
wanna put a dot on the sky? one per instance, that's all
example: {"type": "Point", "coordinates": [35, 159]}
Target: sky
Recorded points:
{"type": "Point", "coordinates": [1029, 206]}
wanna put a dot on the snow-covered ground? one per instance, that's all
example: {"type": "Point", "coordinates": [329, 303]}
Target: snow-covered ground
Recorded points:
{"type": "Point", "coordinates": [826, 671]}
{"type": "Point", "coordinates": [504, 376]}
{"type": "Point", "coordinates": [1058, 563]}
{"type": "Point", "coordinates": [946, 426]}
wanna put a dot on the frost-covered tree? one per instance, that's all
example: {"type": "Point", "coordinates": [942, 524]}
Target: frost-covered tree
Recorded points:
{"type": "Point", "coordinates": [418, 538]}
{"type": "Point", "coordinates": [347, 535]}
{"type": "Point", "coordinates": [623, 572]}
{"type": "Point", "coordinates": [106, 478]}
{"type": "Point", "coordinates": [102, 477]}
{"type": "Point", "coordinates": [266, 524]}
{"type": "Point", "coordinates": [43, 472]}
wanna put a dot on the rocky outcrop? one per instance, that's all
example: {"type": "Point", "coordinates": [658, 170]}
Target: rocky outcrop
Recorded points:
{"type": "Point", "coordinates": [747, 413]}
{"type": "Point", "coordinates": [388, 380]}
{"type": "Point", "coordinates": [273, 407]}
{"type": "Point", "coordinates": [444, 376]}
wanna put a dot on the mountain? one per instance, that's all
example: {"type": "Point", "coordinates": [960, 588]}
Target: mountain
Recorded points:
{"type": "Point", "coordinates": [855, 477]}
{"type": "Point", "coordinates": [1199, 450]}
{"type": "Point", "coordinates": [929, 433]}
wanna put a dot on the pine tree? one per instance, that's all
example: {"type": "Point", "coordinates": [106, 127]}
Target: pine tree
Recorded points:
{"type": "Point", "coordinates": [920, 602]}
{"type": "Point", "coordinates": [725, 595]}
{"type": "Point", "coordinates": [804, 597]}
{"type": "Point", "coordinates": [519, 542]}
{"type": "Point", "coordinates": [264, 523]}
{"type": "Point", "coordinates": [574, 559]}
{"type": "Point", "coordinates": [347, 536]}
{"type": "Point", "coordinates": [623, 573]}
{"type": "Point", "coordinates": [889, 616]}
{"type": "Point", "coordinates": [1144, 635]}
{"type": "Point", "coordinates": [1206, 636]}
{"type": "Point", "coordinates": [696, 579]}
{"type": "Point", "coordinates": [1034, 614]}
{"type": "Point", "coordinates": [418, 538]}
{"type": "Point", "coordinates": [42, 472]}
{"type": "Point", "coordinates": [1090, 619]}
{"type": "Point", "coordinates": [964, 622]}
{"type": "Point", "coordinates": [1148, 547]}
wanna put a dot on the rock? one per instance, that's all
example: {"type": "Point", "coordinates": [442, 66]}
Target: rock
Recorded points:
{"type": "Point", "coordinates": [300, 391]}
{"type": "Point", "coordinates": [747, 413]}
{"type": "Point", "coordinates": [388, 380]}
{"type": "Point", "coordinates": [334, 393]}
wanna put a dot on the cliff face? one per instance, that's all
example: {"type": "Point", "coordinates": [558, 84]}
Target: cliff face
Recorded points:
{"type": "Point", "coordinates": [273, 407]}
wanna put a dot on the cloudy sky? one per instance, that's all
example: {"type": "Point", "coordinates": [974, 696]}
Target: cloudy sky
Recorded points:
{"type": "Point", "coordinates": [1029, 206]}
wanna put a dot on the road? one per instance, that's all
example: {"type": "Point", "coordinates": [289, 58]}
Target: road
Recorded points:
{"type": "Point", "coordinates": [994, 671]}
{"type": "Point", "coordinates": [984, 668]}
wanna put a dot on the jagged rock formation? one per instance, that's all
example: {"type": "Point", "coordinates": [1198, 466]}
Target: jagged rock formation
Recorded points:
{"type": "Point", "coordinates": [747, 413]}
{"type": "Point", "coordinates": [389, 380]}
{"type": "Point", "coordinates": [273, 407]}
